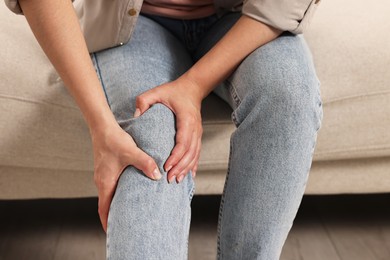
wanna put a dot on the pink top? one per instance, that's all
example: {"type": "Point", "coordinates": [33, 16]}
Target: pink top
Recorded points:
{"type": "Point", "coordinates": [179, 9]}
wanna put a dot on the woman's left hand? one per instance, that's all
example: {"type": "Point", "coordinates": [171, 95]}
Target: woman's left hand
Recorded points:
{"type": "Point", "coordinates": [184, 98]}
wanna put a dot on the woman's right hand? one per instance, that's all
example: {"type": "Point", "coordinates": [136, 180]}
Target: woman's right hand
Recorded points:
{"type": "Point", "coordinates": [113, 151]}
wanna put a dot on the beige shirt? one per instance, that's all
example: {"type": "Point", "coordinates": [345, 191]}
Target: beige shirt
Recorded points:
{"type": "Point", "coordinates": [109, 23]}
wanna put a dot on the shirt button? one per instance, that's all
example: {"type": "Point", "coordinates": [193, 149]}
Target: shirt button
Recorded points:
{"type": "Point", "coordinates": [132, 12]}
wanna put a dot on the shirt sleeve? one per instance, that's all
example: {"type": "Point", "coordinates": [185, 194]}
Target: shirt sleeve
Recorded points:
{"type": "Point", "coordinates": [286, 15]}
{"type": "Point", "coordinates": [14, 6]}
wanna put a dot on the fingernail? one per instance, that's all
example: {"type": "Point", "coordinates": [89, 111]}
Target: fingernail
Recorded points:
{"type": "Point", "coordinates": [137, 113]}
{"type": "Point", "coordinates": [168, 168]}
{"type": "Point", "coordinates": [193, 174]}
{"type": "Point", "coordinates": [156, 174]}
{"type": "Point", "coordinates": [180, 178]}
{"type": "Point", "coordinates": [171, 179]}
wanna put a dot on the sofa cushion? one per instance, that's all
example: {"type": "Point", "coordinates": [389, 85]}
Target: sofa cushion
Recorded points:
{"type": "Point", "coordinates": [350, 45]}
{"type": "Point", "coordinates": [40, 124]}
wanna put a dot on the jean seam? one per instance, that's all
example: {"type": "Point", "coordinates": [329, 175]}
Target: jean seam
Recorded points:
{"type": "Point", "coordinates": [236, 99]}
{"type": "Point", "coordinates": [219, 228]}
{"type": "Point", "coordinates": [186, 37]}
{"type": "Point", "coordinates": [237, 102]}
{"type": "Point", "coordinates": [192, 192]}
{"type": "Point", "coordinates": [98, 71]}
{"type": "Point", "coordinates": [320, 107]}
{"type": "Point", "coordinates": [232, 89]}
{"type": "Point", "coordinates": [108, 257]}
{"type": "Point", "coordinates": [189, 225]}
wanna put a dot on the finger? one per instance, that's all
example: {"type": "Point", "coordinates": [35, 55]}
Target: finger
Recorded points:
{"type": "Point", "coordinates": [183, 166]}
{"type": "Point", "coordinates": [183, 174]}
{"type": "Point", "coordinates": [195, 167]}
{"type": "Point", "coordinates": [192, 165]}
{"type": "Point", "coordinates": [184, 135]}
{"type": "Point", "coordinates": [144, 101]}
{"type": "Point", "coordinates": [194, 170]}
{"type": "Point", "coordinates": [142, 161]}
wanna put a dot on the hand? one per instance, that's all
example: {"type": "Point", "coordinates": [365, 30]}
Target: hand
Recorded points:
{"type": "Point", "coordinates": [114, 150]}
{"type": "Point", "coordinates": [182, 96]}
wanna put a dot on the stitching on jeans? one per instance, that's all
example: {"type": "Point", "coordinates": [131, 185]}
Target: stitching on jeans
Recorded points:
{"type": "Point", "coordinates": [222, 203]}
{"type": "Point", "coordinates": [233, 93]}
{"type": "Point", "coordinates": [191, 194]}
{"type": "Point", "coordinates": [108, 245]}
{"type": "Point", "coordinates": [189, 226]}
{"type": "Point", "coordinates": [192, 191]}
{"type": "Point", "coordinates": [98, 71]}
{"type": "Point", "coordinates": [189, 218]}
{"type": "Point", "coordinates": [319, 111]}
{"type": "Point", "coordinates": [236, 100]}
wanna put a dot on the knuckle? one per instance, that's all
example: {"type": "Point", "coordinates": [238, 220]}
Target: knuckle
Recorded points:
{"type": "Point", "coordinates": [97, 180]}
{"type": "Point", "coordinates": [191, 120]}
{"type": "Point", "coordinates": [182, 135]}
{"type": "Point", "coordinates": [191, 165]}
{"type": "Point", "coordinates": [180, 149]}
{"type": "Point", "coordinates": [179, 168]}
{"type": "Point", "coordinates": [106, 183]}
{"type": "Point", "coordinates": [186, 162]}
{"type": "Point", "coordinates": [191, 153]}
{"type": "Point", "coordinates": [97, 184]}
{"type": "Point", "coordinates": [187, 140]}
{"type": "Point", "coordinates": [140, 99]}
{"type": "Point", "coordinates": [149, 164]}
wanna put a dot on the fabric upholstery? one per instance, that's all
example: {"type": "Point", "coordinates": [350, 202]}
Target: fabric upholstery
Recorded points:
{"type": "Point", "coordinates": [351, 53]}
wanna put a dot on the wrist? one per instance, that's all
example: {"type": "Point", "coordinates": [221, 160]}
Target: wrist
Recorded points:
{"type": "Point", "coordinates": [101, 123]}
{"type": "Point", "coordinates": [198, 89]}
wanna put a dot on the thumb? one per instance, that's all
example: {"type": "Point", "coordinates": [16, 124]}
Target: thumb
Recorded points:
{"type": "Point", "coordinates": [146, 164]}
{"type": "Point", "coordinates": [144, 101]}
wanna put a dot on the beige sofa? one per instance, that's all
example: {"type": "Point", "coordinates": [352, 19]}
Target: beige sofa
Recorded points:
{"type": "Point", "coordinates": [45, 150]}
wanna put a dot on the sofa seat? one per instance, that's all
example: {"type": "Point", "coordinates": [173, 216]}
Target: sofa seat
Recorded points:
{"type": "Point", "coordinates": [45, 149]}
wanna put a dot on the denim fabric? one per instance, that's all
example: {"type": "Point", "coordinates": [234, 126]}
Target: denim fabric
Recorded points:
{"type": "Point", "coordinates": [277, 109]}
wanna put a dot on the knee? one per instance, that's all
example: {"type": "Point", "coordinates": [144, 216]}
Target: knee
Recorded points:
{"type": "Point", "coordinates": [285, 101]}
{"type": "Point", "coordinates": [153, 132]}
{"type": "Point", "coordinates": [290, 94]}
{"type": "Point", "coordinates": [279, 79]}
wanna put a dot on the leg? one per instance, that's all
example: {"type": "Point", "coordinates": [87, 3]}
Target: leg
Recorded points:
{"type": "Point", "coordinates": [148, 219]}
{"type": "Point", "coordinates": [277, 111]}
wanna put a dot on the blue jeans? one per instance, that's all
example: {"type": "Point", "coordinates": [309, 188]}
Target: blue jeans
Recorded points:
{"type": "Point", "coordinates": [277, 109]}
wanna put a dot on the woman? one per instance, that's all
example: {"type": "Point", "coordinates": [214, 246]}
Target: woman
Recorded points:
{"type": "Point", "coordinates": [141, 100]}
